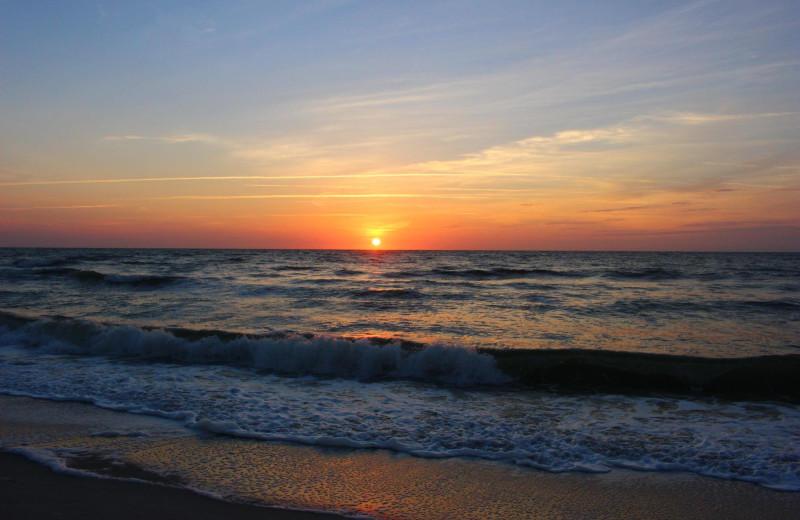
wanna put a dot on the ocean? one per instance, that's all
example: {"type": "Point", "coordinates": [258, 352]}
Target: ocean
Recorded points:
{"type": "Point", "coordinates": [562, 362]}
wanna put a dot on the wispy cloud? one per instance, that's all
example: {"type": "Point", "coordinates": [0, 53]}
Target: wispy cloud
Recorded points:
{"type": "Point", "coordinates": [318, 196]}
{"type": "Point", "coordinates": [422, 94]}
{"type": "Point", "coordinates": [177, 138]}
{"type": "Point", "coordinates": [37, 208]}
{"type": "Point", "coordinates": [432, 188]}
{"type": "Point", "coordinates": [648, 153]}
{"type": "Point", "coordinates": [307, 214]}
{"type": "Point", "coordinates": [573, 223]}
{"type": "Point", "coordinates": [626, 208]}
{"type": "Point", "coordinates": [740, 224]}
{"type": "Point", "coordinates": [431, 174]}
{"type": "Point", "coordinates": [277, 149]}
{"type": "Point", "coordinates": [690, 118]}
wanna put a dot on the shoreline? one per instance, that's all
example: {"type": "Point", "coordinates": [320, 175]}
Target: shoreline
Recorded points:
{"type": "Point", "coordinates": [372, 483]}
{"type": "Point", "coordinates": [73, 497]}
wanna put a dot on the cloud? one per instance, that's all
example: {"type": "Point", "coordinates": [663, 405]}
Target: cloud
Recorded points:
{"type": "Point", "coordinates": [318, 196]}
{"type": "Point", "coordinates": [178, 138]}
{"type": "Point", "coordinates": [573, 223]}
{"type": "Point", "coordinates": [301, 215]}
{"type": "Point", "coordinates": [381, 99]}
{"type": "Point", "coordinates": [256, 177]}
{"type": "Point", "coordinates": [252, 151]}
{"type": "Point", "coordinates": [692, 118]}
{"type": "Point", "coordinates": [645, 155]}
{"type": "Point", "coordinates": [562, 144]}
{"type": "Point", "coordinates": [639, 163]}
{"type": "Point", "coordinates": [626, 208]}
{"type": "Point", "coordinates": [37, 208]}
{"type": "Point", "coordinates": [433, 188]}
{"type": "Point", "coordinates": [714, 224]}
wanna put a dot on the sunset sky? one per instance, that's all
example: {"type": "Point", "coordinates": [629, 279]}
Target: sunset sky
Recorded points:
{"type": "Point", "coordinates": [574, 125]}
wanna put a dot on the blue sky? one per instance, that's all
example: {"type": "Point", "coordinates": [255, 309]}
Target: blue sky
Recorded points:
{"type": "Point", "coordinates": [545, 111]}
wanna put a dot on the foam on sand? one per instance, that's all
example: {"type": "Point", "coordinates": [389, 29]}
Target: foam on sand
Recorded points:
{"type": "Point", "coordinates": [365, 484]}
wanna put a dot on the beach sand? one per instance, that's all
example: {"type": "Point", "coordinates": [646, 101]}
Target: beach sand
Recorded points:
{"type": "Point", "coordinates": [30, 491]}
{"type": "Point", "coordinates": [374, 482]}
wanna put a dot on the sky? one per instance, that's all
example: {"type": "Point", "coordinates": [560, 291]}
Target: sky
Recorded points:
{"type": "Point", "coordinates": [520, 125]}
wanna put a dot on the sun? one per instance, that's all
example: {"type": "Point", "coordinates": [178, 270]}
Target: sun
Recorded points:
{"type": "Point", "coordinates": [376, 242]}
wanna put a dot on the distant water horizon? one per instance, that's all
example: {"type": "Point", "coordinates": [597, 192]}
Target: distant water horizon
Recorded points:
{"type": "Point", "coordinates": [382, 247]}
{"type": "Point", "coordinates": [701, 304]}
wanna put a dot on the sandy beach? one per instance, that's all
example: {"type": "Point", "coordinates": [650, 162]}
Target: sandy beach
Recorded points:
{"type": "Point", "coordinates": [377, 483]}
{"type": "Point", "coordinates": [67, 497]}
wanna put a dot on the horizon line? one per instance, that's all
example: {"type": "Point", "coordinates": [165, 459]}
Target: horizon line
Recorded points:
{"type": "Point", "coordinates": [380, 249]}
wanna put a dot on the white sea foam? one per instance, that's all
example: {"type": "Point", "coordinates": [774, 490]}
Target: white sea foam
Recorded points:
{"type": "Point", "coordinates": [744, 441]}
{"type": "Point", "coordinates": [293, 355]}
{"type": "Point", "coordinates": [50, 460]}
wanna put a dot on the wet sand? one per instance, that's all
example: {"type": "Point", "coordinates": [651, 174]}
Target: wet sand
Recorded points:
{"type": "Point", "coordinates": [377, 483]}
{"type": "Point", "coordinates": [30, 491]}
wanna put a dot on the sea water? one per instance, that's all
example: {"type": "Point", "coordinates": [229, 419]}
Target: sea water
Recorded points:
{"type": "Point", "coordinates": [705, 304]}
{"type": "Point", "coordinates": [391, 350]}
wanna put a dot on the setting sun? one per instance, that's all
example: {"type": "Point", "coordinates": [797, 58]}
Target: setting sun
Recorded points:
{"type": "Point", "coordinates": [376, 242]}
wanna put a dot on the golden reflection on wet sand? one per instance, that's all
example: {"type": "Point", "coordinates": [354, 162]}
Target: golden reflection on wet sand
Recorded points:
{"type": "Point", "coordinates": [401, 487]}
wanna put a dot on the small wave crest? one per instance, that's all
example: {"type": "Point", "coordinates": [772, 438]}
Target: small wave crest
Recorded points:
{"type": "Point", "coordinates": [282, 353]}
{"type": "Point", "coordinates": [91, 276]}
{"type": "Point", "coordinates": [388, 293]}
{"type": "Point", "coordinates": [294, 268]}
{"type": "Point", "coordinates": [654, 273]}
{"type": "Point", "coordinates": [496, 273]}
{"type": "Point", "coordinates": [39, 262]}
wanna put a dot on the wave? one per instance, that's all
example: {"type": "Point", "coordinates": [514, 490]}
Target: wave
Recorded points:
{"type": "Point", "coordinates": [509, 273]}
{"type": "Point", "coordinates": [283, 353]}
{"type": "Point", "coordinates": [40, 262]}
{"type": "Point", "coordinates": [672, 308]}
{"type": "Point", "coordinates": [505, 272]}
{"type": "Point", "coordinates": [763, 377]}
{"type": "Point", "coordinates": [295, 268]}
{"type": "Point", "coordinates": [783, 305]}
{"type": "Point", "coordinates": [388, 293]}
{"type": "Point", "coordinates": [655, 273]}
{"type": "Point", "coordinates": [496, 273]}
{"type": "Point", "coordinates": [91, 276]}
{"type": "Point", "coordinates": [296, 354]}
{"type": "Point", "coordinates": [347, 272]}
{"type": "Point", "coordinates": [140, 262]}
{"type": "Point", "coordinates": [567, 432]}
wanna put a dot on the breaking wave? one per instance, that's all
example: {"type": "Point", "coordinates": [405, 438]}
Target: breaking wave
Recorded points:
{"type": "Point", "coordinates": [283, 353]}
{"type": "Point", "coordinates": [299, 354]}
